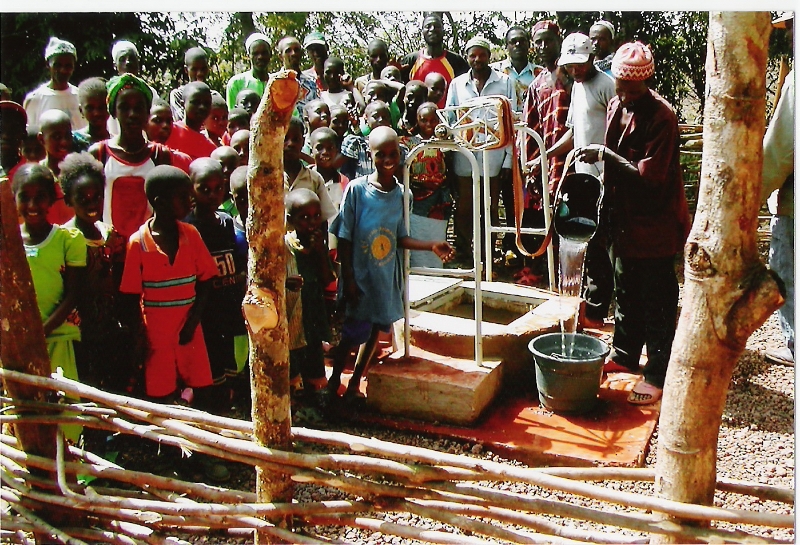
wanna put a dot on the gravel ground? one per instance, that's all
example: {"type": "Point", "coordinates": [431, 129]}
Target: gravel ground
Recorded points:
{"type": "Point", "coordinates": [756, 444]}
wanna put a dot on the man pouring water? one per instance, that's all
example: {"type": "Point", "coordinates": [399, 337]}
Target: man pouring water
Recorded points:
{"type": "Point", "coordinates": [649, 218]}
{"type": "Point", "coordinates": [586, 122]}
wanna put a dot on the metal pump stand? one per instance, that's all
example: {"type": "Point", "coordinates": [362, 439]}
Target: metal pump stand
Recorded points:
{"type": "Point", "coordinates": [439, 142]}
{"type": "Point", "coordinates": [474, 272]}
{"type": "Point", "coordinates": [521, 129]}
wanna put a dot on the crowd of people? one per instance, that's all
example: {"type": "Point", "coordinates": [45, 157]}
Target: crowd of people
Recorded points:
{"type": "Point", "coordinates": [133, 207]}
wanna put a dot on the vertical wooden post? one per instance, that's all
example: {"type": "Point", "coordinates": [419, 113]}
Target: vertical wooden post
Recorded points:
{"type": "Point", "coordinates": [728, 291]}
{"type": "Point", "coordinates": [22, 344]}
{"type": "Point", "coordinates": [264, 304]}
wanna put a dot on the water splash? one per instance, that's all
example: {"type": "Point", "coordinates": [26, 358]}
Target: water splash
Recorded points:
{"type": "Point", "coordinates": [571, 256]}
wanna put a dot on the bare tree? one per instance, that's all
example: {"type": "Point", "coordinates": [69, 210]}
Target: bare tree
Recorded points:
{"type": "Point", "coordinates": [22, 344]}
{"type": "Point", "coordinates": [265, 304]}
{"type": "Point", "coordinates": [728, 292]}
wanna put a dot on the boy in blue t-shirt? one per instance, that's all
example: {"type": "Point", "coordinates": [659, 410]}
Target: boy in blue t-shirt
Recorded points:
{"type": "Point", "coordinates": [370, 229]}
{"type": "Point", "coordinates": [222, 317]}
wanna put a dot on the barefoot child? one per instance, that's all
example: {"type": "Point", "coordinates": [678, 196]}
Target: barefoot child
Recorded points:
{"type": "Point", "coordinates": [371, 230]}
{"type": "Point", "coordinates": [169, 269]}
{"type": "Point", "coordinates": [57, 259]}
{"type": "Point", "coordinates": [105, 355]}
{"type": "Point", "coordinates": [222, 318]}
{"type": "Point", "coordinates": [55, 134]}
{"type": "Point", "coordinates": [306, 244]}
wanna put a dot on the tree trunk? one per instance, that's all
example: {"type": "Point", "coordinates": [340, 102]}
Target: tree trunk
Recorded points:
{"type": "Point", "coordinates": [264, 304]}
{"type": "Point", "coordinates": [246, 20]}
{"type": "Point", "coordinates": [728, 291]}
{"type": "Point", "coordinates": [22, 345]}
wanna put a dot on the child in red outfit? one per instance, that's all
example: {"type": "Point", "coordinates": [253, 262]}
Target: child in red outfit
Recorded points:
{"type": "Point", "coordinates": [169, 268]}
{"type": "Point", "coordinates": [186, 135]}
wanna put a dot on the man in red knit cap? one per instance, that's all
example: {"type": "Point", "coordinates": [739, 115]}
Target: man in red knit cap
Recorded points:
{"type": "Point", "coordinates": [649, 218]}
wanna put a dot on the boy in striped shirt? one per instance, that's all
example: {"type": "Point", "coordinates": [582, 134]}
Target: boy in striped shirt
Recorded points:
{"type": "Point", "coordinates": [169, 268]}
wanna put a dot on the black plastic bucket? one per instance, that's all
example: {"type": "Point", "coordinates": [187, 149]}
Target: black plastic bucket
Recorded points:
{"type": "Point", "coordinates": [568, 384]}
{"type": "Point", "coordinates": [578, 211]}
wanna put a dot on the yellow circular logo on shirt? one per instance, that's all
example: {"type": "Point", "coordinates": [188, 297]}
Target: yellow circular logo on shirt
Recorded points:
{"type": "Point", "coordinates": [381, 246]}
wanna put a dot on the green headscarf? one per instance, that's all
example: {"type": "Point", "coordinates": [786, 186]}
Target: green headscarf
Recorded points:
{"type": "Point", "coordinates": [126, 81]}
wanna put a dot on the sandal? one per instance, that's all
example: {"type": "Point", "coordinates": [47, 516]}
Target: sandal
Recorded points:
{"type": "Point", "coordinates": [525, 271]}
{"type": "Point", "coordinates": [529, 280]}
{"type": "Point", "coordinates": [644, 394]}
{"type": "Point", "coordinates": [611, 366]}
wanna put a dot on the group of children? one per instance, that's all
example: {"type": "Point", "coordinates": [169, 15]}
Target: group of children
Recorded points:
{"type": "Point", "coordinates": [133, 225]}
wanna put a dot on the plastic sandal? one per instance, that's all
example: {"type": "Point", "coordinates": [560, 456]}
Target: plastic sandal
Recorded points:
{"type": "Point", "coordinates": [644, 394]}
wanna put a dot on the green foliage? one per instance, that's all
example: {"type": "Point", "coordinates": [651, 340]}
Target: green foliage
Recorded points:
{"type": "Point", "coordinates": [678, 40]}
{"type": "Point", "coordinates": [25, 35]}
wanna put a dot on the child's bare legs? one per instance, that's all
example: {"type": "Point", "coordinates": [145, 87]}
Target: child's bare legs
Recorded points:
{"type": "Point", "coordinates": [340, 353]}
{"type": "Point", "coordinates": [365, 354]}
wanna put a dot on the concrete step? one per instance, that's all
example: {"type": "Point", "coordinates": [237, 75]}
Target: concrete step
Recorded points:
{"type": "Point", "coordinates": [433, 387]}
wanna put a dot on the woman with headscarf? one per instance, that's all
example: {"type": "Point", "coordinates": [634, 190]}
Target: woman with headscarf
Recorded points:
{"type": "Point", "coordinates": [58, 93]}
{"type": "Point", "coordinates": [128, 156]}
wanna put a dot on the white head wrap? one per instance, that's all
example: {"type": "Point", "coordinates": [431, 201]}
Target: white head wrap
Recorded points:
{"type": "Point", "coordinates": [122, 47]}
{"type": "Point", "coordinates": [254, 37]}
{"type": "Point", "coordinates": [59, 47]}
{"type": "Point", "coordinates": [608, 25]}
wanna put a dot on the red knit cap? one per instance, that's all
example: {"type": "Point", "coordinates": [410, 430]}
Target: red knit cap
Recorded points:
{"type": "Point", "coordinates": [552, 26]}
{"type": "Point", "coordinates": [633, 62]}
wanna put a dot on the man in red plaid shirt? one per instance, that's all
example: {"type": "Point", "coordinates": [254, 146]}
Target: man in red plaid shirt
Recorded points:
{"type": "Point", "coordinates": [545, 111]}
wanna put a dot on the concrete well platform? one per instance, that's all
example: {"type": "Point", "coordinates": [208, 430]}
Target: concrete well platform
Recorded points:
{"type": "Point", "coordinates": [440, 325]}
{"type": "Point", "coordinates": [441, 381]}
{"type": "Point", "coordinates": [515, 426]}
{"type": "Point", "coordinates": [433, 387]}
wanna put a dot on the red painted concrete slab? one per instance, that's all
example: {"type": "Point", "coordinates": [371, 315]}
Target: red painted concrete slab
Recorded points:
{"type": "Point", "coordinates": [615, 433]}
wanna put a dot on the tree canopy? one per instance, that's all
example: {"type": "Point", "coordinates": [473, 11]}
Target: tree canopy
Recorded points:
{"type": "Point", "coordinates": [678, 40]}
